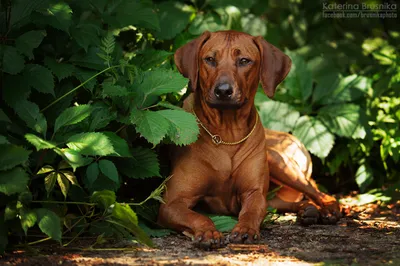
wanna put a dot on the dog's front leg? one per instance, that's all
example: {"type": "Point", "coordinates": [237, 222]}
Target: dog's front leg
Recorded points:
{"type": "Point", "coordinates": [176, 214]}
{"type": "Point", "coordinates": [254, 206]}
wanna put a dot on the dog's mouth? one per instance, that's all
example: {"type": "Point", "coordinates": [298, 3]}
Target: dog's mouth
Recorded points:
{"type": "Point", "coordinates": [226, 105]}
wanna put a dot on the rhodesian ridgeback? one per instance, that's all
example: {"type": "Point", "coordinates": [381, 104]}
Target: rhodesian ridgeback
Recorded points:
{"type": "Point", "coordinates": [228, 169]}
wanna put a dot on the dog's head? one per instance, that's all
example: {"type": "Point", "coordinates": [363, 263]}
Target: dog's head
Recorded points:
{"type": "Point", "coordinates": [227, 66]}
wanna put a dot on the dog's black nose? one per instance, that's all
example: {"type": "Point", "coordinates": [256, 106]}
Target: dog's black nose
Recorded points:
{"type": "Point", "coordinates": [223, 91]}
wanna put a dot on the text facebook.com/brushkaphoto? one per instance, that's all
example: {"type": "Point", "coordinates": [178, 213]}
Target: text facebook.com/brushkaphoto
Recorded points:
{"type": "Point", "coordinates": [363, 10]}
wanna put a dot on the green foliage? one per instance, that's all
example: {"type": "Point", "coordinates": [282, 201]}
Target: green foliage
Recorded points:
{"type": "Point", "coordinates": [89, 93]}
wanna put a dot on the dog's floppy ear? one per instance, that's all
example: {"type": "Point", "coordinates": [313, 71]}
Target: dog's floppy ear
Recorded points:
{"type": "Point", "coordinates": [275, 66]}
{"type": "Point", "coordinates": [187, 59]}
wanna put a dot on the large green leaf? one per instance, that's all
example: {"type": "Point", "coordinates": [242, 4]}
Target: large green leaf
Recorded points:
{"type": "Point", "coordinates": [210, 22]}
{"type": "Point", "coordinates": [314, 135]}
{"type": "Point", "coordinates": [136, 14]}
{"type": "Point", "coordinates": [49, 223]}
{"type": "Point", "coordinates": [63, 183]}
{"type": "Point", "coordinates": [173, 20]}
{"type": "Point", "coordinates": [13, 181]}
{"type": "Point", "coordinates": [183, 128]}
{"type": "Point", "coordinates": [125, 217]}
{"type": "Point", "coordinates": [15, 88]}
{"type": "Point", "coordinates": [109, 170]}
{"type": "Point", "coordinates": [143, 164]}
{"type": "Point", "coordinates": [224, 223]}
{"type": "Point", "coordinates": [91, 143]}
{"type": "Point", "coordinates": [101, 116]}
{"type": "Point", "coordinates": [364, 176]}
{"type": "Point", "coordinates": [13, 62]}
{"type": "Point", "coordinates": [49, 182]}
{"type": "Point", "coordinates": [59, 16]}
{"type": "Point", "coordinates": [104, 198]}
{"type": "Point", "coordinates": [150, 58]}
{"type": "Point", "coordinates": [299, 80]}
{"type": "Point", "coordinates": [74, 158]}
{"type": "Point", "coordinates": [342, 90]}
{"type": "Point", "coordinates": [92, 173]}
{"type": "Point", "coordinates": [40, 78]}
{"type": "Point", "coordinates": [30, 113]}
{"type": "Point", "coordinates": [114, 90]}
{"type": "Point", "coordinates": [86, 34]}
{"type": "Point", "coordinates": [72, 115]}
{"type": "Point", "coordinates": [38, 142]}
{"type": "Point", "coordinates": [343, 119]}
{"type": "Point", "coordinates": [21, 10]}
{"type": "Point", "coordinates": [12, 155]}
{"type": "Point", "coordinates": [278, 116]}
{"type": "Point", "coordinates": [158, 82]}
{"type": "Point", "coordinates": [28, 219]}
{"type": "Point", "coordinates": [121, 147]}
{"type": "Point", "coordinates": [61, 70]}
{"type": "Point", "coordinates": [89, 59]}
{"type": "Point", "coordinates": [29, 41]}
{"type": "Point", "coordinates": [151, 125]}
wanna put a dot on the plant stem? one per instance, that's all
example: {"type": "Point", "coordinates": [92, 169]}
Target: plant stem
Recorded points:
{"type": "Point", "coordinates": [39, 241]}
{"type": "Point", "coordinates": [77, 87]}
{"type": "Point", "coordinates": [63, 202]}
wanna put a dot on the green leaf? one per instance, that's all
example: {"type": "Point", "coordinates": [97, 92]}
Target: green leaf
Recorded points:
{"type": "Point", "coordinates": [114, 90]}
{"type": "Point", "coordinates": [3, 140]}
{"type": "Point", "coordinates": [343, 119]}
{"type": "Point", "coordinates": [342, 90]}
{"type": "Point", "coordinates": [40, 78]}
{"type": "Point", "coordinates": [151, 125]}
{"type": "Point", "coordinates": [278, 116]}
{"type": "Point", "coordinates": [83, 75]}
{"type": "Point", "coordinates": [101, 116]}
{"type": "Point", "coordinates": [158, 82]}
{"type": "Point", "coordinates": [136, 14]}
{"type": "Point", "coordinates": [63, 183]}
{"type": "Point", "coordinates": [71, 177]}
{"type": "Point", "coordinates": [155, 232]}
{"type": "Point", "coordinates": [29, 41]}
{"type": "Point", "coordinates": [314, 135]}
{"type": "Point", "coordinates": [74, 158]}
{"type": "Point", "coordinates": [86, 34]}
{"type": "Point", "coordinates": [12, 155]}
{"type": "Point", "coordinates": [13, 62]}
{"type": "Point", "coordinates": [150, 58]}
{"type": "Point", "coordinates": [108, 169]}
{"type": "Point", "coordinates": [299, 80]}
{"type": "Point", "coordinates": [28, 219]}
{"type": "Point", "coordinates": [210, 22]}
{"type": "Point", "coordinates": [254, 25]}
{"type": "Point", "coordinates": [91, 143]}
{"type": "Point", "coordinates": [13, 181]}
{"type": "Point", "coordinates": [59, 16]}
{"type": "Point", "coordinates": [49, 182]}
{"type": "Point", "coordinates": [183, 126]}
{"type": "Point", "coordinates": [143, 164]}
{"type": "Point", "coordinates": [104, 198]}
{"type": "Point", "coordinates": [89, 59]}
{"type": "Point", "coordinates": [224, 223]}
{"type": "Point", "coordinates": [72, 115]}
{"type": "Point", "coordinates": [4, 117]}
{"type": "Point", "coordinates": [92, 173]}
{"type": "Point", "coordinates": [10, 211]}
{"type": "Point", "coordinates": [173, 20]}
{"type": "Point", "coordinates": [21, 10]}
{"type": "Point", "coordinates": [45, 169]}
{"type": "Point", "coordinates": [39, 143]}
{"type": "Point", "coordinates": [124, 216]}
{"type": "Point", "coordinates": [15, 88]}
{"type": "Point", "coordinates": [364, 177]}
{"type": "Point", "coordinates": [61, 70]}
{"type": "Point", "coordinates": [49, 223]}
{"type": "Point", "coordinates": [29, 112]}
{"type": "Point", "coordinates": [121, 147]}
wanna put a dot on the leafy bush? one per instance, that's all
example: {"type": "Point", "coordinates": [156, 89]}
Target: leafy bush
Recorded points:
{"type": "Point", "coordinates": [89, 92]}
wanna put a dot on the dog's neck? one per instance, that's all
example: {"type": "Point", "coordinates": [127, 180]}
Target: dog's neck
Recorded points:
{"type": "Point", "coordinates": [234, 123]}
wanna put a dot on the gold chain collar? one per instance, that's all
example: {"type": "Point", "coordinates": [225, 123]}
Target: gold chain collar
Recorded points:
{"type": "Point", "coordinates": [216, 139]}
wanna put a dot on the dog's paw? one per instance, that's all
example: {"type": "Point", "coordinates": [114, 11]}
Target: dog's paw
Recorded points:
{"type": "Point", "coordinates": [309, 215]}
{"type": "Point", "coordinates": [330, 215]}
{"type": "Point", "coordinates": [243, 234]}
{"type": "Point", "coordinates": [208, 239]}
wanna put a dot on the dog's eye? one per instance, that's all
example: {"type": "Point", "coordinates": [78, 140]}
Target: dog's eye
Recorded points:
{"type": "Point", "coordinates": [210, 60]}
{"type": "Point", "coordinates": [244, 61]}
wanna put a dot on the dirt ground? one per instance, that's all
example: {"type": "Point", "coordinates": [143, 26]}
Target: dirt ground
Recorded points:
{"type": "Point", "coordinates": [367, 235]}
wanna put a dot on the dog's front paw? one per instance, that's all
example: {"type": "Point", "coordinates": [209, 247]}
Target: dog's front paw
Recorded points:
{"type": "Point", "coordinates": [243, 234]}
{"type": "Point", "coordinates": [208, 239]}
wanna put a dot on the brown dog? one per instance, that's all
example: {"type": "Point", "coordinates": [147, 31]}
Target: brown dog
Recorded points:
{"type": "Point", "coordinates": [229, 173]}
